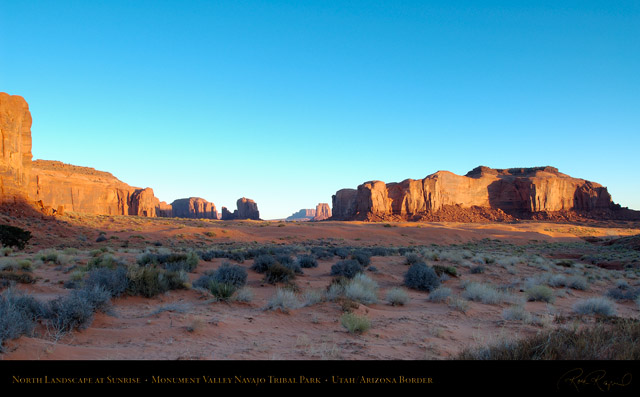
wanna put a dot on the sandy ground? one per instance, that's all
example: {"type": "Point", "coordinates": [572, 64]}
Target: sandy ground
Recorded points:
{"type": "Point", "coordinates": [190, 325]}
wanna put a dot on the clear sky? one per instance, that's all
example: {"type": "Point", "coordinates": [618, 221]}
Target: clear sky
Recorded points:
{"type": "Point", "coordinates": [286, 102]}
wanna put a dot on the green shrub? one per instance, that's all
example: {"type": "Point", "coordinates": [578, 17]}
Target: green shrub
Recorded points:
{"type": "Point", "coordinates": [222, 291]}
{"type": "Point", "coordinates": [307, 261]}
{"type": "Point", "coordinates": [421, 277]}
{"type": "Point", "coordinates": [262, 263]}
{"type": "Point", "coordinates": [440, 294]}
{"type": "Point", "coordinates": [355, 324]}
{"type": "Point", "coordinates": [540, 293]}
{"type": "Point", "coordinates": [112, 280]}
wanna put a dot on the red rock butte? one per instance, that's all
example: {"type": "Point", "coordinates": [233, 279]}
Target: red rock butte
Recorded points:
{"type": "Point", "coordinates": [483, 194]}
{"type": "Point", "coordinates": [55, 187]}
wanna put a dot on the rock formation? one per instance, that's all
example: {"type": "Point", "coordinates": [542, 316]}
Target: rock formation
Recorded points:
{"type": "Point", "coordinates": [247, 209]}
{"type": "Point", "coordinates": [15, 158]}
{"type": "Point", "coordinates": [491, 194]}
{"type": "Point", "coordinates": [302, 215]}
{"type": "Point", "coordinates": [323, 211]}
{"type": "Point", "coordinates": [194, 207]}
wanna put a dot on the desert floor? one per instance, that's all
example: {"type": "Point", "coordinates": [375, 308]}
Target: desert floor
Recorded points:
{"type": "Point", "coordinates": [192, 324]}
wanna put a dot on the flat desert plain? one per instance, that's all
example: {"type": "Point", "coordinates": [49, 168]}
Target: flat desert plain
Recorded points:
{"type": "Point", "coordinates": [497, 282]}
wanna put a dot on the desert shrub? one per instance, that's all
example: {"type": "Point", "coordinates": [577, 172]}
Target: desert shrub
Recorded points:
{"type": "Point", "coordinates": [361, 289]}
{"type": "Point", "coordinates": [397, 297]}
{"type": "Point", "coordinates": [18, 277]}
{"type": "Point", "coordinates": [600, 342]}
{"type": "Point", "coordinates": [262, 263]}
{"type": "Point", "coordinates": [244, 294]}
{"type": "Point", "coordinates": [321, 253]}
{"type": "Point", "coordinates": [596, 306]}
{"type": "Point", "coordinates": [346, 268]}
{"type": "Point", "coordinates": [517, 313]}
{"type": "Point", "coordinates": [485, 293]}
{"type": "Point", "coordinates": [540, 293]}
{"type": "Point", "coordinates": [278, 273]}
{"type": "Point", "coordinates": [445, 270]}
{"type": "Point", "coordinates": [105, 260]}
{"type": "Point", "coordinates": [623, 291]}
{"type": "Point", "coordinates": [421, 277]}
{"type": "Point", "coordinates": [411, 258]}
{"type": "Point", "coordinates": [18, 315]}
{"type": "Point", "coordinates": [222, 291]}
{"type": "Point", "coordinates": [440, 294]}
{"type": "Point", "coordinates": [307, 261]}
{"type": "Point", "coordinates": [284, 300]}
{"type": "Point", "coordinates": [458, 304]}
{"type": "Point", "coordinates": [355, 324]}
{"type": "Point", "coordinates": [362, 257]}
{"type": "Point", "coordinates": [75, 311]}
{"type": "Point", "coordinates": [12, 236]}
{"type": "Point", "coordinates": [477, 269]}
{"type": "Point", "coordinates": [231, 274]}
{"type": "Point", "coordinates": [112, 280]}
{"type": "Point", "coordinates": [342, 252]}
{"type": "Point", "coordinates": [149, 281]}
{"type": "Point", "coordinates": [334, 291]}
{"type": "Point", "coordinates": [577, 282]}
{"type": "Point", "coordinates": [313, 297]}
{"type": "Point", "coordinates": [169, 260]}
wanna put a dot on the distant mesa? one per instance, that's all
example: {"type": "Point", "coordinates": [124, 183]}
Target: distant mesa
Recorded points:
{"type": "Point", "coordinates": [194, 207]}
{"type": "Point", "coordinates": [302, 215]}
{"type": "Point", "coordinates": [247, 209]}
{"type": "Point", "coordinates": [483, 194]}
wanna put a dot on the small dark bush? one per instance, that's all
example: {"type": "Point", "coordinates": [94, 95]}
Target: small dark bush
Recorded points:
{"type": "Point", "coordinates": [74, 311]}
{"type": "Point", "coordinates": [630, 294]}
{"type": "Point", "coordinates": [222, 291]}
{"type": "Point", "coordinates": [262, 263]}
{"type": "Point", "coordinates": [346, 268]}
{"type": "Point", "coordinates": [341, 252]}
{"type": "Point", "coordinates": [321, 252]}
{"type": "Point", "coordinates": [101, 238]}
{"type": "Point", "coordinates": [278, 273]}
{"type": "Point", "coordinates": [307, 261]}
{"type": "Point", "coordinates": [149, 281]}
{"type": "Point", "coordinates": [362, 256]}
{"type": "Point", "coordinates": [477, 270]}
{"type": "Point", "coordinates": [231, 274]}
{"type": "Point", "coordinates": [421, 277]}
{"type": "Point", "coordinates": [204, 281]}
{"type": "Point", "coordinates": [11, 236]}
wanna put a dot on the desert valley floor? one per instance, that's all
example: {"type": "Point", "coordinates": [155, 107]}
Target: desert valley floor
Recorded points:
{"type": "Point", "coordinates": [498, 282]}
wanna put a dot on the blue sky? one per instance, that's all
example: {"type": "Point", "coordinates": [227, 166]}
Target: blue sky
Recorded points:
{"type": "Point", "coordinates": [286, 102]}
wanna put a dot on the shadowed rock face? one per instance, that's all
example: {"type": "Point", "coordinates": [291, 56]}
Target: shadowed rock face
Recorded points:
{"type": "Point", "coordinates": [194, 207]}
{"type": "Point", "coordinates": [516, 191]}
{"type": "Point", "coordinates": [15, 157]}
{"type": "Point", "coordinates": [247, 209]}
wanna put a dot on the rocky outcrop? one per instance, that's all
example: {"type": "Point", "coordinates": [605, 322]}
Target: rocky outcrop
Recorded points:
{"type": "Point", "coordinates": [194, 207]}
{"type": "Point", "coordinates": [144, 203]}
{"type": "Point", "coordinates": [247, 209]}
{"type": "Point", "coordinates": [164, 210]}
{"type": "Point", "coordinates": [15, 158]}
{"type": "Point", "coordinates": [323, 211]}
{"type": "Point", "coordinates": [500, 193]}
{"type": "Point", "coordinates": [302, 215]}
